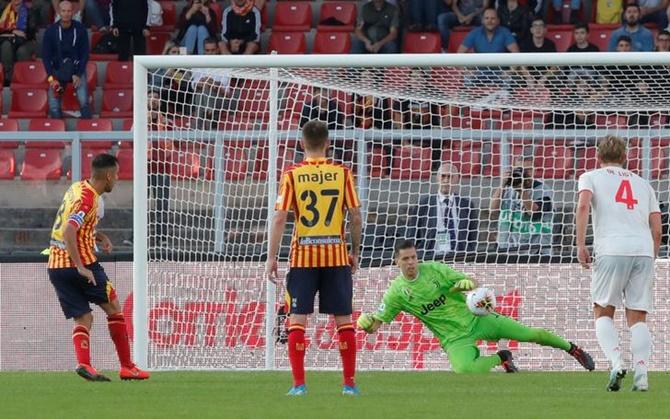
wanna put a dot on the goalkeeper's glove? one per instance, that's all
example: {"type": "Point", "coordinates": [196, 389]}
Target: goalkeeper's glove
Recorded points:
{"type": "Point", "coordinates": [365, 322]}
{"type": "Point", "coordinates": [465, 285]}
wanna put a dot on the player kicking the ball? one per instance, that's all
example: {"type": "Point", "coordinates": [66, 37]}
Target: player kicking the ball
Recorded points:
{"type": "Point", "coordinates": [627, 236]}
{"type": "Point", "coordinates": [433, 293]}
{"type": "Point", "coordinates": [77, 276]}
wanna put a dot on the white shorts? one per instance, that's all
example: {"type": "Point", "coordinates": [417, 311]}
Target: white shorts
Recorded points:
{"type": "Point", "coordinates": [623, 280]}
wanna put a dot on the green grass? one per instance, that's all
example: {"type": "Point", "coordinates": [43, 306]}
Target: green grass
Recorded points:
{"type": "Point", "coordinates": [386, 395]}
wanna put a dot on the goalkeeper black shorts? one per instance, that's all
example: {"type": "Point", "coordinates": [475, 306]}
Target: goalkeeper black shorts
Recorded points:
{"type": "Point", "coordinates": [334, 285]}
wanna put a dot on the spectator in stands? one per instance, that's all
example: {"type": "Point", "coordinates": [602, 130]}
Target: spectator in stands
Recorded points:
{"type": "Point", "coordinates": [564, 18]}
{"type": "Point", "coordinates": [581, 36]}
{"type": "Point", "coordinates": [322, 107]}
{"type": "Point", "coordinates": [17, 33]}
{"type": "Point", "coordinates": [537, 42]}
{"type": "Point", "coordinates": [377, 28]}
{"type": "Point", "coordinates": [77, 9]}
{"type": "Point", "coordinates": [515, 17]}
{"type": "Point", "coordinates": [663, 41]}
{"type": "Point", "coordinates": [129, 23]}
{"type": "Point", "coordinates": [154, 13]}
{"type": "Point", "coordinates": [210, 91]}
{"type": "Point", "coordinates": [197, 22]}
{"type": "Point", "coordinates": [642, 39]}
{"type": "Point", "coordinates": [241, 28]}
{"type": "Point", "coordinates": [489, 37]}
{"type": "Point", "coordinates": [444, 224]}
{"type": "Point", "coordinates": [463, 13]}
{"type": "Point", "coordinates": [523, 208]}
{"type": "Point", "coordinates": [159, 169]}
{"type": "Point", "coordinates": [654, 11]}
{"type": "Point", "coordinates": [41, 11]}
{"type": "Point", "coordinates": [422, 14]}
{"type": "Point", "coordinates": [608, 11]}
{"type": "Point", "coordinates": [65, 54]}
{"type": "Point", "coordinates": [624, 44]}
{"type": "Point", "coordinates": [96, 13]}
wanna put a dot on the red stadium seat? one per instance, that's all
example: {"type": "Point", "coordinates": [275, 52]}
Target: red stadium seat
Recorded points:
{"type": "Point", "coordinates": [28, 103]}
{"type": "Point", "coordinates": [184, 164]}
{"type": "Point", "coordinates": [95, 38]}
{"type": "Point", "coordinates": [378, 162]}
{"type": "Point", "coordinates": [561, 37]}
{"type": "Point", "coordinates": [466, 155]}
{"type": "Point", "coordinates": [117, 103]}
{"type": "Point", "coordinates": [455, 40]}
{"type": "Point", "coordinates": [9, 125]}
{"type": "Point", "coordinates": [7, 164]}
{"type": "Point", "coordinates": [45, 124]}
{"type": "Point", "coordinates": [600, 37]}
{"type": "Point", "coordinates": [41, 164]}
{"type": "Point", "coordinates": [236, 161]}
{"type": "Point", "coordinates": [292, 17]}
{"type": "Point", "coordinates": [285, 159]}
{"type": "Point", "coordinates": [119, 75]}
{"type": "Point", "coordinates": [87, 156]}
{"type": "Point", "coordinates": [156, 43]}
{"type": "Point", "coordinates": [169, 16]}
{"type": "Point", "coordinates": [70, 103]}
{"type": "Point", "coordinates": [287, 43]}
{"type": "Point", "coordinates": [88, 125]}
{"type": "Point", "coordinates": [343, 12]}
{"type": "Point", "coordinates": [611, 121]}
{"type": "Point", "coordinates": [125, 157]}
{"type": "Point", "coordinates": [91, 76]}
{"type": "Point", "coordinates": [332, 43]}
{"type": "Point", "coordinates": [29, 74]}
{"type": "Point", "coordinates": [586, 160]}
{"type": "Point", "coordinates": [411, 162]}
{"type": "Point", "coordinates": [218, 11]}
{"type": "Point", "coordinates": [553, 161]}
{"type": "Point", "coordinates": [422, 43]}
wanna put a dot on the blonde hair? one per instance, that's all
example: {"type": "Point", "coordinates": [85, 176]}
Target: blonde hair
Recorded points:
{"type": "Point", "coordinates": [612, 149]}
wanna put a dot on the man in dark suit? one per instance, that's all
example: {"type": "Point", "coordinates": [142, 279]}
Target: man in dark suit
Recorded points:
{"type": "Point", "coordinates": [444, 224]}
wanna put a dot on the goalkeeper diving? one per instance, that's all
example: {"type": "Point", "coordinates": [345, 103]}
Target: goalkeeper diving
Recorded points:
{"type": "Point", "coordinates": [433, 293]}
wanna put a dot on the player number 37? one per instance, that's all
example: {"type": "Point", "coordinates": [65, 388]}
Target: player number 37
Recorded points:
{"type": "Point", "coordinates": [624, 195]}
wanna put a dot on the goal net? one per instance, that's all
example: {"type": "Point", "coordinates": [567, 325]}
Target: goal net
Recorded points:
{"type": "Point", "coordinates": [476, 130]}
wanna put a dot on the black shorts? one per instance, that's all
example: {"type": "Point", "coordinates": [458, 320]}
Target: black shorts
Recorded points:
{"type": "Point", "coordinates": [334, 285]}
{"type": "Point", "coordinates": [75, 292]}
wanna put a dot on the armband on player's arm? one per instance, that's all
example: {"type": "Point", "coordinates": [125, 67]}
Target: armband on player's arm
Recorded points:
{"type": "Point", "coordinates": [368, 323]}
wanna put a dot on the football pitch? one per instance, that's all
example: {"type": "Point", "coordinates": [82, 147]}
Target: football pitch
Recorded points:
{"type": "Point", "coordinates": [407, 395]}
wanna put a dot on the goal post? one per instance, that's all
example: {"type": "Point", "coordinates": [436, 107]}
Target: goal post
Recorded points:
{"type": "Point", "coordinates": [212, 135]}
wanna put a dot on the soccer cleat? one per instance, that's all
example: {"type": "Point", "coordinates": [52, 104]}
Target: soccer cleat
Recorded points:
{"type": "Point", "coordinates": [507, 361]}
{"type": "Point", "coordinates": [350, 391]}
{"type": "Point", "coordinates": [582, 357]}
{"type": "Point", "coordinates": [133, 373]}
{"type": "Point", "coordinates": [616, 377]}
{"type": "Point", "coordinates": [89, 373]}
{"type": "Point", "coordinates": [640, 383]}
{"type": "Point", "coordinates": [300, 390]}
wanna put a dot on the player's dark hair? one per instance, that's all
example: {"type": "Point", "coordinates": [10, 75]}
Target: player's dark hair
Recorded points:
{"type": "Point", "coordinates": [663, 32]}
{"type": "Point", "coordinates": [582, 25]}
{"type": "Point", "coordinates": [536, 18]}
{"type": "Point", "coordinates": [631, 4]}
{"type": "Point", "coordinates": [315, 134]}
{"type": "Point", "coordinates": [103, 162]}
{"type": "Point", "coordinates": [210, 40]}
{"type": "Point", "coordinates": [624, 38]}
{"type": "Point", "coordinates": [402, 245]}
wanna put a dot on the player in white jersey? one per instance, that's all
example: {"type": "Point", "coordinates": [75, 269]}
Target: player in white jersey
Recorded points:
{"type": "Point", "coordinates": [627, 236]}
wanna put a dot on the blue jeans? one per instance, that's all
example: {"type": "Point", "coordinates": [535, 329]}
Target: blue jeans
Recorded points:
{"type": "Point", "coordinates": [446, 21]}
{"type": "Point", "coordinates": [95, 15]}
{"type": "Point", "coordinates": [424, 12]}
{"type": "Point", "coordinates": [195, 36]}
{"type": "Point", "coordinates": [358, 47]}
{"type": "Point", "coordinates": [55, 103]}
{"type": "Point", "coordinates": [574, 4]}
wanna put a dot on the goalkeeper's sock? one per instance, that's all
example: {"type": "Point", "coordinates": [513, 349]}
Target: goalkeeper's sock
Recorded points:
{"type": "Point", "coordinates": [640, 346]}
{"type": "Point", "coordinates": [296, 353]}
{"type": "Point", "coordinates": [117, 330]}
{"type": "Point", "coordinates": [347, 336]}
{"type": "Point", "coordinates": [608, 339]}
{"type": "Point", "coordinates": [81, 342]}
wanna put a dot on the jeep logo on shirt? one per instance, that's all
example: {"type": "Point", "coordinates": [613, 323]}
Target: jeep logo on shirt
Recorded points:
{"type": "Point", "coordinates": [426, 308]}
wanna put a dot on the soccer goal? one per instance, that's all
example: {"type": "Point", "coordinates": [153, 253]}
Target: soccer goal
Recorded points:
{"type": "Point", "coordinates": [502, 136]}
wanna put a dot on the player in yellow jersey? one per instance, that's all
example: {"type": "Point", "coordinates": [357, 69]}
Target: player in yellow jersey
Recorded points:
{"type": "Point", "coordinates": [77, 276]}
{"type": "Point", "coordinates": [320, 193]}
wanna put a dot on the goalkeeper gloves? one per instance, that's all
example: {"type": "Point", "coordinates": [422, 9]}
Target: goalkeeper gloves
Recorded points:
{"type": "Point", "coordinates": [465, 285]}
{"type": "Point", "coordinates": [365, 322]}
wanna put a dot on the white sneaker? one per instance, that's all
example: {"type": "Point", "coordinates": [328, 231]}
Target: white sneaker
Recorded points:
{"type": "Point", "coordinates": [616, 377]}
{"type": "Point", "coordinates": [640, 382]}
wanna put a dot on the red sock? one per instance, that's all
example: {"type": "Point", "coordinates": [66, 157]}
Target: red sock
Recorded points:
{"type": "Point", "coordinates": [347, 336]}
{"type": "Point", "coordinates": [117, 330]}
{"type": "Point", "coordinates": [296, 352]}
{"type": "Point", "coordinates": [80, 339]}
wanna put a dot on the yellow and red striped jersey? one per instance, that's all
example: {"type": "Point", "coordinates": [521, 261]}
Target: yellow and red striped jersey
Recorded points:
{"type": "Point", "coordinates": [79, 208]}
{"type": "Point", "coordinates": [319, 192]}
